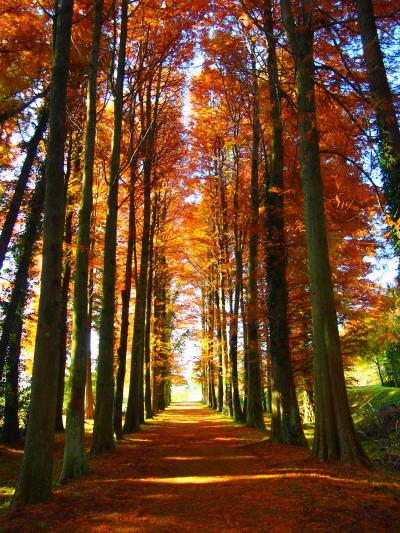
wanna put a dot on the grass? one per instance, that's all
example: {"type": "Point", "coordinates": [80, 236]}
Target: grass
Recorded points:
{"type": "Point", "coordinates": [364, 404]}
{"type": "Point", "coordinates": [365, 401]}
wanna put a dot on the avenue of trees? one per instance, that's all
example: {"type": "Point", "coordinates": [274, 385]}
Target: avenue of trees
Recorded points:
{"type": "Point", "coordinates": [227, 167]}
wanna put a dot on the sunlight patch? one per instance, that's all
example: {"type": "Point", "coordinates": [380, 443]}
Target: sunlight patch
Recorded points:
{"type": "Point", "coordinates": [208, 458]}
{"type": "Point", "coordinates": [137, 440]}
{"type": "Point", "coordinates": [203, 480]}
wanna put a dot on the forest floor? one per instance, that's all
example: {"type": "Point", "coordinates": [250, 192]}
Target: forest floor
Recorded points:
{"type": "Point", "coordinates": [190, 469]}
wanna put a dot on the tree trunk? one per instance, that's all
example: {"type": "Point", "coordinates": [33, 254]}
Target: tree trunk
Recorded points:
{"type": "Point", "coordinates": [222, 267]}
{"type": "Point", "coordinates": [382, 100]}
{"type": "Point", "coordinates": [89, 399]}
{"type": "Point", "coordinates": [132, 420]}
{"type": "Point", "coordinates": [126, 296]}
{"type": "Point", "coordinates": [203, 360]}
{"type": "Point", "coordinates": [254, 410]}
{"type": "Point", "coordinates": [20, 188]}
{"type": "Point", "coordinates": [213, 395]}
{"type": "Point", "coordinates": [268, 399]}
{"type": "Point", "coordinates": [227, 405]}
{"type": "Point", "coordinates": [66, 280]}
{"type": "Point", "coordinates": [20, 286]}
{"type": "Point", "coordinates": [378, 366]}
{"type": "Point", "coordinates": [155, 362]}
{"type": "Point", "coordinates": [34, 482]}
{"type": "Point", "coordinates": [220, 397]}
{"type": "Point", "coordinates": [134, 407]}
{"type": "Point", "coordinates": [285, 420]}
{"type": "Point", "coordinates": [10, 341]}
{"type": "Point", "coordinates": [147, 398]}
{"type": "Point", "coordinates": [245, 344]}
{"type": "Point", "coordinates": [103, 437]}
{"type": "Point", "coordinates": [233, 352]}
{"type": "Point", "coordinates": [162, 340]}
{"type": "Point", "coordinates": [335, 437]}
{"type": "Point", "coordinates": [11, 422]}
{"type": "Point", "coordinates": [211, 344]}
{"type": "Point", "coordinates": [75, 461]}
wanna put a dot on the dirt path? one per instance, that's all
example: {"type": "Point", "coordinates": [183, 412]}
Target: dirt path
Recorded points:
{"type": "Point", "coordinates": [191, 470]}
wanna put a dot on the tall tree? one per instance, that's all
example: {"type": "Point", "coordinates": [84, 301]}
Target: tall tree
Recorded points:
{"type": "Point", "coordinates": [383, 103]}
{"type": "Point", "coordinates": [34, 481]}
{"type": "Point", "coordinates": [10, 340]}
{"type": "Point", "coordinates": [254, 408]}
{"type": "Point", "coordinates": [149, 125]}
{"type": "Point", "coordinates": [11, 431]}
{"type": "Point", "coordinates": [234, 321]}
{"type": "Point", "coordinates": [75, 461]}
{"type": "Point", "coordinates": [103, 435]}
{"type": "Point", "coordinates": [147, 339]}
{"type": "Point", "coordinates": [285, 417]}
{"type": "Point", "coordinates": [23, 178]}
{"type": "Point", "coordinates": [335, 437]}
{"type": "Point", "coordinates": [220, 352]}
{"type": "Point", "coordinates": [126, 292]}
{"type": "Point", "coordinates": [66, 280]}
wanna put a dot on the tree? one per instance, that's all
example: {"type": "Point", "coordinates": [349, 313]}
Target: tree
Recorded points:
{"type": "Point", "coordinates": [75, 461]}
{"type": "Point", "coordinates": [126, 295]}
{"type": "Point", "coordinates": [285, 417]}
{"type": "Point", "coordinates": [254, 408]}
{"type": "Point", "coordinates": [382, 101]}
{"type": "Point", "coordinates": [335, 437]}
{"type": "Point", "coordinates": [149, 125]}
{"type": "Point", "coordinates": [103, 436]}
{"type": "Point", "coordinates": [34, 481]}
{"type": "Point", "coordinates": [72, 169]}
{"type": "Point", "coordinates": [15, 204]}
{"type": "Point", "coordinates": [10, 340]}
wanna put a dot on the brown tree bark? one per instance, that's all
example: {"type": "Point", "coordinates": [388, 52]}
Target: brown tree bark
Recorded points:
{"type": "Point", "coordinates": [35, 477]}
{"type": "Point", "coordinates": [382, 100]}
{"type": "Point", "coordinates": [75, 461]}
{"type": "Point", "coordinates": [234, 320]}
{"type": "Point", "coordinates": [254, 408]}
{"type": "Point", "coordinates": [134, 412]}
{"type": "Point", "coordinates": [20, 187]}
{"type": "Point", "coordinates": [335, 437]}
{"type": "Point", "coordinates": [126, 295]}
{"type": "Point", "coordinates": [89, 397]}
{"type": "Point", "coordinates": [66, 281]}
{"type": "Point", "coordinates": [103, 434]}
{"type": "Point", "coordinates": [285, 417]}
{"type": "Point", "coordinates": [147, 347]}
{"type": "Point", "coordinates": [10, 340]}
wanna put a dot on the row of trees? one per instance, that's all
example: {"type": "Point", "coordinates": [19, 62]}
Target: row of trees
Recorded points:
{"type": "Point", "coordinates": [256, 94]}
{"type": "Point", "coordinates": [123, 184]}
{"type": "Point", "coordinates": [107, 224]}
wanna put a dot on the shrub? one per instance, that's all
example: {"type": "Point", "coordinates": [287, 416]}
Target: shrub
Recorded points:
{"type": "Point", "coordinates": [383, 428]}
